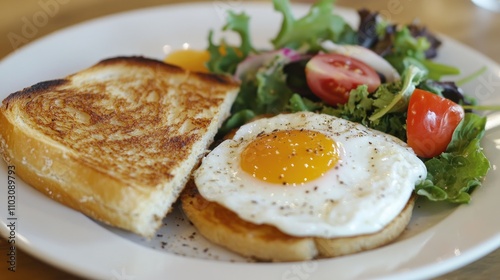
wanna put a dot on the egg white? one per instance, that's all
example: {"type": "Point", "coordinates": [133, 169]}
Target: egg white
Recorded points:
{"type": "Point", "coordinates": [365, 191]}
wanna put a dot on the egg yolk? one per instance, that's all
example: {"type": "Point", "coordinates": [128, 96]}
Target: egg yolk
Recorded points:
{"type": "Point", "coordinates": [193, 60]}
{"type": "Point", "coordinates": [289, 156]}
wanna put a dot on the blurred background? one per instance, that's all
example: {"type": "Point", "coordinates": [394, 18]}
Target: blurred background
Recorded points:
{"type": "Point", "coordinates": [25, 21]}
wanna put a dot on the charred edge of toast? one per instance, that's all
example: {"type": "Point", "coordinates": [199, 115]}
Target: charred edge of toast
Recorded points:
{"type": "Point", "coordinates": [46, 86]}
{"type": "Point", "coordinates": [141, 60]}
{"type": "Point", "coordinates": [137, 61]}
{"type": "Point", "coordinates": [36, 89]}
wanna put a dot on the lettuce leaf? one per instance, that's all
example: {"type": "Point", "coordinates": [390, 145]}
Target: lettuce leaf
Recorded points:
{"type": "Point", "coordinates": [263, 91]}
{"type": "Point", "coordinates": [318, 25]}
{"type": "Point", "coordinates": [224, 58]}
{"type": "Point", "coordinates": [359, 108]}
{"type": "Point", "coordinates": [385, 109]}
{"type": "Point", "coordinates": [399, 102]}
{"type": "Point", "coordinates": [408, 49]}
{"type": "Point", "coordinates": [305, 34]}
{"type": "Point", "coordinates": [453, 175]}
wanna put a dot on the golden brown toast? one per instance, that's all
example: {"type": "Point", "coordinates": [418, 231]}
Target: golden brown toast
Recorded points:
{"type": "Point", "coordinates": [116, 141]}
{"type": "Point", "coordinates": [265, 242]}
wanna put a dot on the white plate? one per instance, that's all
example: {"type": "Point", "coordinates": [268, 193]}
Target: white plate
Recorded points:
{"type": "Point", "coordinates": [439, 238]}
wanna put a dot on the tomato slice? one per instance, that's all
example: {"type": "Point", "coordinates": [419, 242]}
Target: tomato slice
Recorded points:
{"type": "Point", "coordinates": [332, 76]}
{"type": "Point", "coordinates": [430, 123]}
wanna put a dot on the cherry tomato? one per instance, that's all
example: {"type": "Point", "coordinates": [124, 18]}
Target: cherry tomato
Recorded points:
{"type": "Point", "coordinates": [430, 123]}
{"type": "Point", "coordinates": [332, 76]}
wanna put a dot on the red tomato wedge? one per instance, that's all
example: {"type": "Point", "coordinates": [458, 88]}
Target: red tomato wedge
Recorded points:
{"type": "Point", "coordinates": [430, 123]}
{"type": "Point", "coordinates": [332, 76]}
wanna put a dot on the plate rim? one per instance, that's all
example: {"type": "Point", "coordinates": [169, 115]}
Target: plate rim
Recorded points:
{"type": "Point", "coordinates": [471, 255]}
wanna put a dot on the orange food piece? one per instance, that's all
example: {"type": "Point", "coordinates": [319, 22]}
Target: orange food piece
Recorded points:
{"type": "Point", "coordinates": [193, 60]}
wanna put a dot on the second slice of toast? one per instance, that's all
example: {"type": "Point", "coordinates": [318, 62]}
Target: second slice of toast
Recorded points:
{"type": "Point", "coordinates": [118, 140]}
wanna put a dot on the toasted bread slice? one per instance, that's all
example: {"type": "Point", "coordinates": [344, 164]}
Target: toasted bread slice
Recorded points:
{"type": "Point", "coordinates": [118, 140]}
{"type": "Point", "coordinates": [265, 242]}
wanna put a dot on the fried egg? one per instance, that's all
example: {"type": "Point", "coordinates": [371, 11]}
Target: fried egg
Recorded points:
{"type": "Point", "coordinates": [311, 175]}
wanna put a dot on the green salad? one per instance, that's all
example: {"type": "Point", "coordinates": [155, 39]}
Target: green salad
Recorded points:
{"type": "Point", "coordinates": [379, 74]}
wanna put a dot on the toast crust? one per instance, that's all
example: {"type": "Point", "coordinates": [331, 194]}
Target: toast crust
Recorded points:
{"type": "Point", "coordinates": [116, 141]}
{"type": "Point", "coordinates": [267, 243]}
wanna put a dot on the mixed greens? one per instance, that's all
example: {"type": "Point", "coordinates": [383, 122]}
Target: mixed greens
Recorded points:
{"type": "Point", "coordinates": [274, 81]}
